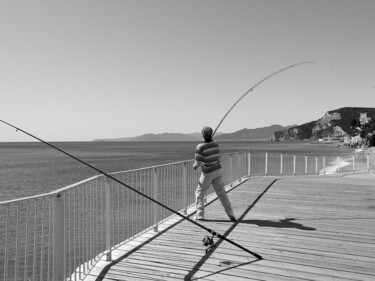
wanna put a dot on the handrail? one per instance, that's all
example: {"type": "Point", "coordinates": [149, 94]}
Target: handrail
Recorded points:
{"type": "Point", "coordinates": [49, 194]}
{"type": "Point", "coordinates": [54, 192]}
{"type": "Point", "coordinates": [63, 233]}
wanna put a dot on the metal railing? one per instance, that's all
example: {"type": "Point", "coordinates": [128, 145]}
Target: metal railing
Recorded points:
{"type": "Point", "coordinates": [61, 235]}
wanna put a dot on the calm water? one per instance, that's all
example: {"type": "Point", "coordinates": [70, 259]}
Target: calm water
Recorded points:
{"type": "Point", "coordinates": [33, 168]}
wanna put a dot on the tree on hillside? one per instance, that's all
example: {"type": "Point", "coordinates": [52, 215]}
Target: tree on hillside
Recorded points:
{"type": "Point", "coordinates": [354, 123]}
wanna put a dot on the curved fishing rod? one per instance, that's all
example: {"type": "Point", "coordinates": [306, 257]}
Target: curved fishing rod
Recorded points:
{"type": "Point", "coordinates": [258, 83]}
{"type": "Point", "coordinates": [136, 191]}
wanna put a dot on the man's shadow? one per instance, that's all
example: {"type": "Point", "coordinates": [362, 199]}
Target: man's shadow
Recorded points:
{"type": "Point", "coordinates": [284, 223]}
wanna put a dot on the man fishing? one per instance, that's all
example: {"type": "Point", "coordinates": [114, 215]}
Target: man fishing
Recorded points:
{"type": "Point", "coordinates": [207, 156]}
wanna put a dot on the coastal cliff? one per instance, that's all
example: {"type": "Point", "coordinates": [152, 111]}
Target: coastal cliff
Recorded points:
{"type": "Point", "coordinates": [334, 124]}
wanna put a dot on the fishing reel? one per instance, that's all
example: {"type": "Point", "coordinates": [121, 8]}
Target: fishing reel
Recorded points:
{"type": "Point", "coordinates": [208, 242]}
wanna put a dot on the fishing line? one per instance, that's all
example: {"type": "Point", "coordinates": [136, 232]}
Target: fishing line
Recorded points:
{"type": "Point", "coordinates": [257, 84]}
{"type": "Point", "coordinates": [136, 191]}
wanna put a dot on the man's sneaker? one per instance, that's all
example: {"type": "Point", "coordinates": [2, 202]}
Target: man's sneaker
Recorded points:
{"type": "Point", "coordinates": [232, 218]}
{"type": "Point", "coordinates": [198, 218]}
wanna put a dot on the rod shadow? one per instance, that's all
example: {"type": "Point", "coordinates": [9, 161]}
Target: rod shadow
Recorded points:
{"type": "Point", "coordinates": [230, 265]}
{"type": "Point", "coordinates": [190, 275]}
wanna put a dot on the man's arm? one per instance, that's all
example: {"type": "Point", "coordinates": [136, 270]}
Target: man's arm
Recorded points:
{"type": "Point", "coordinates": [198, 159]}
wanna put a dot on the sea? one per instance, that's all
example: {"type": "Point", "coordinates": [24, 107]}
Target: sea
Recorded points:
{"type": "Point", "coordinates": [34, 168]}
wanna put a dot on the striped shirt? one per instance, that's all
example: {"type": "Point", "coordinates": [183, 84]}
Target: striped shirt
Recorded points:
{"type": "Point", "coordinates": [207, 156]}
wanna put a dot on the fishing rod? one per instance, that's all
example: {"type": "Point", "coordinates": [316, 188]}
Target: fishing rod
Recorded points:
{"type": "Point", "coordinates": [214, 233]}
{"type": "Point", "coordinates": [257, 84]}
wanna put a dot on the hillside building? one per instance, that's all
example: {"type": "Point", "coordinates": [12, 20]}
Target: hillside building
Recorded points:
{"type": "Point", "coordinates": [363, 119]}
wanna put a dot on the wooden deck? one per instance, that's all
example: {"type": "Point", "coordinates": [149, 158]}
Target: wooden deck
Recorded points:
{"type": "Point", "coordinates": [305, 228]}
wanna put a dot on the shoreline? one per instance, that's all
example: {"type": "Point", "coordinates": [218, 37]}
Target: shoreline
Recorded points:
{"type": "Point", "coordinates": [346, 161]}
{"type": "Point", "coordinates": [28, 169]}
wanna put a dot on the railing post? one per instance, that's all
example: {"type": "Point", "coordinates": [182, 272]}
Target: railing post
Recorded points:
{"type": "Point", "coordinates": [58, 241]}
{"type": "Point", "coordinates": [305, 165]}
{"type": "Point", "coordinates": [353, 164]}
{"type": "Point", "coordinates": [368, 162]}
{"type": "Point", "coordinates": [294, 164]}
{"type": "Point", "coordinates": [324, 165]}
{"type": "Point", "coordinates": [266, 164]}
{"type": "Point", "coordinates": [338, 164]}
{"type": "Point", "coordinates": [6, 242]}
{"type": "Point", "coordinates": [230, 169]}
{"type": "Point", "coordinates": [249, 164]}
{"type": "Point", "coordinates": [108, 224]}
{"type": "Point", "coordinates": [156, 191]}
{"type": "Point", "coordinates": [239, 167]}
{"type": "Point", "coordinates": [281, 164]}
{"type": "Point", "coordinates": [184, 187]}
{"type": "Point", "coordinates": [316, 164]}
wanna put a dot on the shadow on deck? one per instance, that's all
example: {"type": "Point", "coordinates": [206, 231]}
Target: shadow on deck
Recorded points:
{"type": "Point", "coordinates": [305, 228]}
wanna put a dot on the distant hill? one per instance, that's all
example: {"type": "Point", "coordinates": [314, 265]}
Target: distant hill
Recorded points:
{"type": "Point", "coordinates": [264, 133]}
{"type": "Point", "coordinates": [334, 124]}
{"type": "Point", "coordinates": [245, 134]}
{"type": "Point", "coordinates": [159, 137]}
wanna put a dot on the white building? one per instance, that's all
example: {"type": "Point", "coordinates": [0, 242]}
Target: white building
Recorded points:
{"type": "Point", "coordinates": [363, 119]}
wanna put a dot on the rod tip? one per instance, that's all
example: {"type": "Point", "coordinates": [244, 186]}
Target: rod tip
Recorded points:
{"type": "Point", "coordinates": [325, 62]}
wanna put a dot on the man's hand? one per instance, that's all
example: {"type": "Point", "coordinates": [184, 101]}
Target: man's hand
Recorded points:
{"type": "Point", "coordinates": [195, 166]}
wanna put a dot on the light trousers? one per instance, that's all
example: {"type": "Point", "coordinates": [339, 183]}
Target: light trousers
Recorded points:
{"type": "Point", "coordinates": [216, 179]}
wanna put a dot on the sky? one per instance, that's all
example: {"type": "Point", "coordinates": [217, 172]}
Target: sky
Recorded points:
{"type": "Point", "coordinates": [83, 70]}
